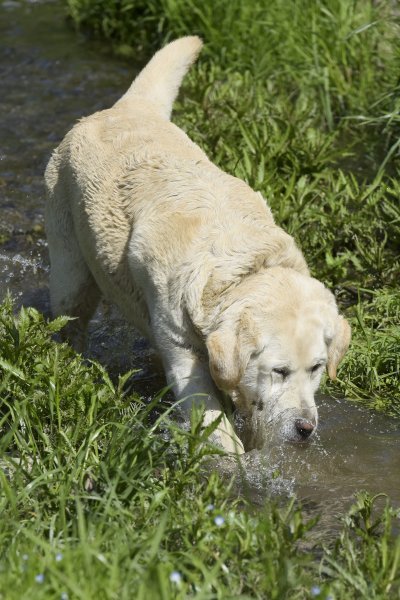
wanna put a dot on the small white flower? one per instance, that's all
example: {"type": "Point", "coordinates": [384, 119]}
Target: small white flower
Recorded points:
{"type": "Point", "coordinates": [315, 590]}
{"type": "Point", "coordinates": [39, 578]}
{"type": "Point", "coordinates": [59, 556]}
{"type": "Point", "coordinates": [219, 521]}
{"type": "Point", "coordinates": [175, 577]}
{"type": "Point", "coordinates": [210, 507]}
{"type": "Point", "coordinates": [64, 596]}
{"type": "Point", "coordinates": [25, 557]}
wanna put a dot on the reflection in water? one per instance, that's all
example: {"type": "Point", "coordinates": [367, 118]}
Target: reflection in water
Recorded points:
{"type": "Point", "coordinates": [50, 78]}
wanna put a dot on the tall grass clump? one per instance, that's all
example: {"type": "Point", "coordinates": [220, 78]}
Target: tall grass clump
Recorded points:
{"type": "Point", "coordinates": [340, 59]}
{"type": "Point", "coordinates": [99, 499]}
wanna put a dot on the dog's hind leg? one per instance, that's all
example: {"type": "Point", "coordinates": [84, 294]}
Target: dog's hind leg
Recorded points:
{"type": "Point", "coordinates": [73, 290]}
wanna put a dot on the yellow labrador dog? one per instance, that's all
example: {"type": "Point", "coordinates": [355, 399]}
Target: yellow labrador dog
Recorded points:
{"type": "Point", "coordinates": [136, 212]}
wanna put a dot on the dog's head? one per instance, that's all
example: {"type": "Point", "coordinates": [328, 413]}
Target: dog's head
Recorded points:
{"type": "Point", "coordinates": [270, 349]}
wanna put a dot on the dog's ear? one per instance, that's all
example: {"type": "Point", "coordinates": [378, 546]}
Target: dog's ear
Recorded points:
{"type": "Point", "coordinates": [229, 350]}
{"type": "Point", "coordinates": [338, 346]}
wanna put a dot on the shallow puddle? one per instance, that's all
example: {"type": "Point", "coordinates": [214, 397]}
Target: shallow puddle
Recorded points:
{"type": "Point", "coordinates": [50, 78]}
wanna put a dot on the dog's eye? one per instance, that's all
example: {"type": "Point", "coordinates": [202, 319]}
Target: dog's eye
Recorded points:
{"type": "Point", "coordinates": [315, 368]}
{"type": "Point", "coordinates": [283, 372]}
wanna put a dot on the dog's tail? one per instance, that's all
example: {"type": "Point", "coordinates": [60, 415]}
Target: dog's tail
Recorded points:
{"type": "Point", "coordinates": [160, 80]}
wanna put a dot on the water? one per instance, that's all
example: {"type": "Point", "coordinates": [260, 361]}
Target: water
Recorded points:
{"type": "Point", "coordinates": [354, 449]}
{"type": "Point", "coordinates": [50, 77]}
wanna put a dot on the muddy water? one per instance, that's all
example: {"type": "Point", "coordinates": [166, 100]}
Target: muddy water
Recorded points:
{"type": "Point", "coordinates": [49, 78]}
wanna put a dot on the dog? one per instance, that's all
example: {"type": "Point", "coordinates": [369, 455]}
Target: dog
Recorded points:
{"type": "Point", "coordinates": [137, 212]}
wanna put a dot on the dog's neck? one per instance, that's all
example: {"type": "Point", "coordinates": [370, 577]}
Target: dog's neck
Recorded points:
{"type": "Point", "coordinates": [228, 265]}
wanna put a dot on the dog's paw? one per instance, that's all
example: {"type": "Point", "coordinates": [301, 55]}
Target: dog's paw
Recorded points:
{"type": "Point", "coordinates": [224, 435]}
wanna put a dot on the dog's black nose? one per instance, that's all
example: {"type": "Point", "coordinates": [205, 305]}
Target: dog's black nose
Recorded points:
{"type": "Point", "coordinates": [304, 428]}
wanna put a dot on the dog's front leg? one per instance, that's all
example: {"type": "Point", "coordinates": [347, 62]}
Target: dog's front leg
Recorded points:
{"type": "Point", "coordinates": [192, 384]}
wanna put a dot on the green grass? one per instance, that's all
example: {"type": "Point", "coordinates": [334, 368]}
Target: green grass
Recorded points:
{"type": "Point", "coordinates": [333, 63]}
{"type": "Point", "coordinates": [101, 498]}
{"type": "Point", "coordinates": [98, 499]}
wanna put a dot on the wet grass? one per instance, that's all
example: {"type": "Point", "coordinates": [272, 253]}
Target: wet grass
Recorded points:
{"type": "Point", "coordinates": [302, 101]}
{"type": "Point", "coordinates": [98, 499]}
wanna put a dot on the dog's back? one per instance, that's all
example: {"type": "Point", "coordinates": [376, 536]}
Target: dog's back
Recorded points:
{"type": "Point", "coordinates": [88, 224]}
{"type": "Point", "coordinates": [128, 191]}
{"type": "Point", "coordinates": [140, 119]}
